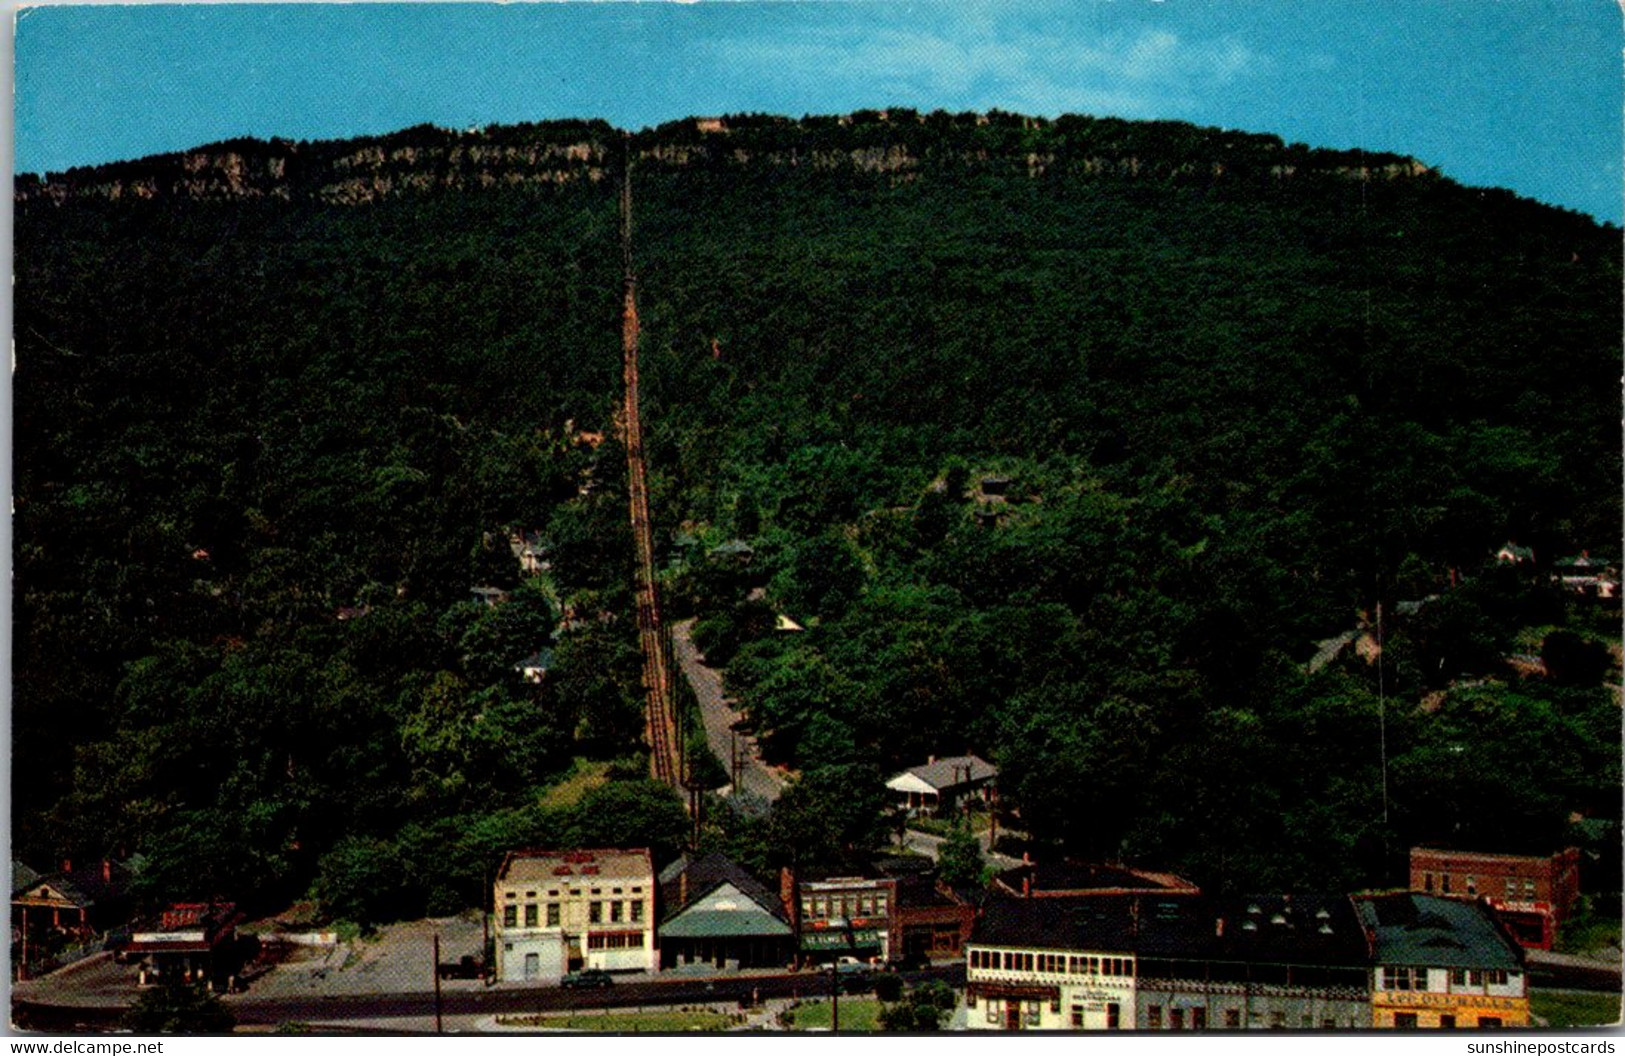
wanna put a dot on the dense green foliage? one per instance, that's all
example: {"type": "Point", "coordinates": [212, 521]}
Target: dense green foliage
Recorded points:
{"type": "Point", "coordinates": [1238, 393]}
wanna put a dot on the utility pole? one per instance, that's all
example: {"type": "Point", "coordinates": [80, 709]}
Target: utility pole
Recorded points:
{"type": "Point", "coordinates": [437, 1028]}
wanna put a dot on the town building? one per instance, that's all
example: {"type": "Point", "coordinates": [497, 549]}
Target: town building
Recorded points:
{"type": "Point", "coordinates": [1441, 963]}
{"type": "Point", "coordinates": [1259, 962]}
{"type": "Point", "coordinates": [1168, 962]}
{"type": "Point", "coordinates": [841, 916]}
{"type": "Point", "coordinates": [713, 912]}
{"type": "Point", "coordinates": [944, 785]}
{"type": "Point", "coordinates": [933, 921]}
{"type": "Point", "coordinates": [558, 911]}
{"type": "Point", "coordinates": [1052, 964]}
{"type": "Point", "coordinates": [192, 942]}
{"type": "Point", "coordinates": [1531, 895]}
{"type": "Point", "coordinates": [54, 911]}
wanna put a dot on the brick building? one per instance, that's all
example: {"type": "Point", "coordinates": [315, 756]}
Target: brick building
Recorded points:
{"type": "Point", "coordinates": [1531, 895]}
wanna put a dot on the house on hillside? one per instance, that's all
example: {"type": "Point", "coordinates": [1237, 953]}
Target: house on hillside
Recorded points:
{"type": "Point", "coordinates": [1441, 963]}
{"type": "Point", "coordinates": [713, 912]}
{"type": "Point", "coordinates": [942, 785]}
{"type": "Point", "coordinates": [1531, 895]}
{"type": "Point", "coordinates": [70, 905]}
{"type": "Point", "coordinates": [529, 550]}
{"type": "Point", "coordinates": [534, 668]}
{"type": "Point", "coordinates": [1513, 554]}
{"type": "Point", "coordinates": [487, 595]}
{"type": "Point", "coordinates": [1587, 576]}
{"type": "Point", "coordinates": [558, 911]}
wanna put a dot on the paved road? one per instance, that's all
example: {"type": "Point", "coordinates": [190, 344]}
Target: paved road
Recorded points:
{"type": "Point", "coordinates": [930, 846]}
{"type": "Point", "coordinates": [756, 778]}
{"type": "Point", "coordinates": [459, 1000]}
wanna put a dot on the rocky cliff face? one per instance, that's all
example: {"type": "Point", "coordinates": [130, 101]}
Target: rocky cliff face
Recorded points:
{"type": "Point", "coordinates": [898, 144]}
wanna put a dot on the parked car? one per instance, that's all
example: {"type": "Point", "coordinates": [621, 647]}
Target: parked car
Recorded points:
{"type": "Point", "coordinates": [587, 979]}
{"type": "Point", "coordinates": [468, 967]}
{"type": "Point", "coordinates": [908, 962]}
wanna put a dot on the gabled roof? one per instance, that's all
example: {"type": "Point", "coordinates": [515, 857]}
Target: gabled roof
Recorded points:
{"type": "Point", "coordinates": [706, 874]}
{"type": "Point", "coordinates": [940, 775]}
{"type": "Point", "coordinates": [21, 876]}
{"type": "Point", "coordinates": [1428, 930]}
{"type": "Point", "coordinates": [83, 887]}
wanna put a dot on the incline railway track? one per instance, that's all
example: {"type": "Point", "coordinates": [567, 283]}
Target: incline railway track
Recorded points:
{"type": "Point", "coordinates": [661, 728]}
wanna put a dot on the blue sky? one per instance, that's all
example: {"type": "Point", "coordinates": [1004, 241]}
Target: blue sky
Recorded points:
{"type": "Point", "coordinates": [1523, 94]}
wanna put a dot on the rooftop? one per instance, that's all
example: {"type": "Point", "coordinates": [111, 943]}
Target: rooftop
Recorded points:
{"type": "Point", "coordinates": [1416, 929]}
{"type": "Point", "coordinates": [536, 865]}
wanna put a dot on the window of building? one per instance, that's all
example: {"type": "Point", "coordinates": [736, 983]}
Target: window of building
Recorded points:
{"type": "Point", "coordinates": [1232, 1019]}
{"type": "Point", "coordinates": [1277, 1020]}
{"type": "Point", "coordinates": [530, 914]}
{"type": "Point", "coordinates": [597, 890]}
{"type": "Point", "coordinates": [970, 998]}
{"type": "Point", "coordinates": [1444, 884]}
{"type": "Point", "coordinates": [615, 912]}
{"type": "Point", "coordinates": [1176, 1019]}
{"type": "Point", "coordinates": [992, 1011]}
{"type": "Point", "coordinates": [1026, 962]}
{"type": "Point", "coordinates": [511, 894]}
{"type": "Point", "coordinates": [637, 912]}
{"type": "Point", "coordinates": [1404, 979]}
{"type": "Point", "coordinates": [1199, 1018]}
{"type": "Point", "coordinates": [1447, 1022]}
{"type": "Point", "coordinates": [1495, 976]}
{"type": "Point", "coordinates": [1009, 961]}
{"type": "Point", "coordinates": [552, 914]}
{"type": "Point", "coordinates": [1529, 889]}
{"type": "Point", "coordinates": [1458, 977]}
{"type": "Point", "coordinates": [1077, 1015]}
{"type": "Point", "coordinates": [575, 892]}
{"type": "Point", "coordinates": [614, 890]}
{"type": "Point", "coordinates": [1114, 1016]}
{"type": "Point", "coordinates": [530, 894]}
{"type": "Point", "coordinates": [1512, 887]}
{"type": "Point", "coordinates": [1055, 1003]}
{"type": "Point", "coordinates": [637, 890]}
{"type": "Point", "coordinates": [1489, 1021]}
{"type": "Point", "coordinates": [880, 905]}
{"type": "Point", "coordinates": [1034, 1014]}
{"type": "Point", "coordinates": [510, 916]}
{"type": "Point", "coordinates": [595, 912]}
{"type": "Point", "coordinates": [553, 894]}
{"type": "Point", "coordinates": [507, 947]}
{"type": "Point", "coordinates": [1427, 882]}
{"type": "Point", "coordinates": [1475, 978]}
{"type": "Point", "coordinates": [1405, 1020]}
{"type": "Point", "coordinates": [1153, 1016]}
{"type": "Point", "coordinates": [1472, 884]}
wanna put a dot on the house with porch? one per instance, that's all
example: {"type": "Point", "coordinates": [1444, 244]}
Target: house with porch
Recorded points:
{"type": "Point", "coordinates": [944, 785]}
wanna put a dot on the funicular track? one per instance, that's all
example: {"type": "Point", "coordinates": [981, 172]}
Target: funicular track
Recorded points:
{"type": "Point", "coordinates": [663, 731]}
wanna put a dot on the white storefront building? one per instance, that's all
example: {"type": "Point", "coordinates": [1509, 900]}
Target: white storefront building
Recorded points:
{"type": "Point", "coordinates": [559, 911]}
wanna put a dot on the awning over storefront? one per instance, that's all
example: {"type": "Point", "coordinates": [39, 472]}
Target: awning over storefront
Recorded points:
{"type": "Point", "coordinates": [1013, 992]}
{"type": "Point", "coordinates": [858, 938]}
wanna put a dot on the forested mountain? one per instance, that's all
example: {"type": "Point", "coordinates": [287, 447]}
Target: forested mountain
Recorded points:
{"type": "Point", "coordinates": [1234, 394]}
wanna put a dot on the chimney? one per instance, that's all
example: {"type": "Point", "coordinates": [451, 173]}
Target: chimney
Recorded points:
{"type": "Point", "coordinates": [682, 888]}
{"type": "Point", "coordinates": [107, 871]}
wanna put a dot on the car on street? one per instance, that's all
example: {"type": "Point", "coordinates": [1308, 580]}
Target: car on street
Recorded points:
{"type": "Point", "coordinates": [587, 979]}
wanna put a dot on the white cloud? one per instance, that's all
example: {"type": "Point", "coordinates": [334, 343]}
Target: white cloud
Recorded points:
{"type": "Point", "coordinates": [979, 62]}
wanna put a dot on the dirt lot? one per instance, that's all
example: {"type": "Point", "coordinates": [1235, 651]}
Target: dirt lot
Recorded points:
{"type": "Point", "coordinates": [399, 957]}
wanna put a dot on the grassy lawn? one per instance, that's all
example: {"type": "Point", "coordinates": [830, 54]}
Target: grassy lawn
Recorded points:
{"type": "Point", "coordinates": [1575, 1010]}
{"type": "Point", "coordinates": [665, 1021]}
{"type": "Point", "coordinates": [857, 1013]}
{"type": "Point", "coordinates": [583, 778]}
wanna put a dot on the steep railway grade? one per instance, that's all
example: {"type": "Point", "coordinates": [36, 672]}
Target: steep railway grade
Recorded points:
{"type": "Point", "coordinates": [663, 731]}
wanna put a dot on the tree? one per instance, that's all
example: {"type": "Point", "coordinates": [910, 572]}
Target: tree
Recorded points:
{"type": "Point", "coordinates": [179, 1008]}
{"type": "Point", "coordinates": [959, 860]}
